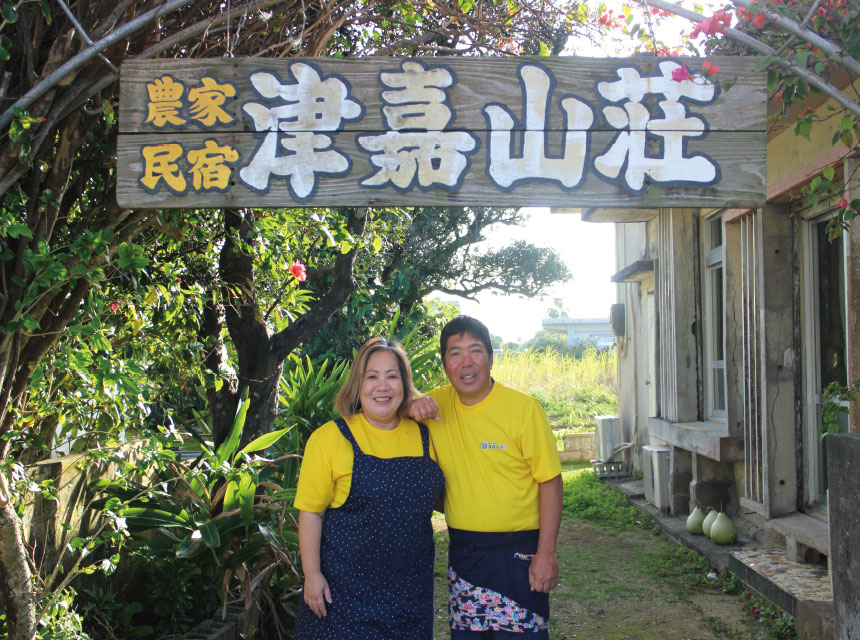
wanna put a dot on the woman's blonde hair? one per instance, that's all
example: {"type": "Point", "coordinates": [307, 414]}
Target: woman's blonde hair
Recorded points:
{"type": "Point", "coordinates": [348, 401]}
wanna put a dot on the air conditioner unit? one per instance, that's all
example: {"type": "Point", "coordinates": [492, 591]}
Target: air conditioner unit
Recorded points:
{"type": "Point", "coordinates": [655, 472]}
{"type": "Point", "coordinates": [607, 436]}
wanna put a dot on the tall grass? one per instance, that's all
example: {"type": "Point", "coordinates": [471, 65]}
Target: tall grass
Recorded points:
{"type": "Point", "coordinates": [571, 390]}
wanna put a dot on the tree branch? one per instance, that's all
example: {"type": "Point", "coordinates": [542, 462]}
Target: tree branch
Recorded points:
{"type": "Point", "coordinates": [342, 286]}
{"type": "Point", "coordinates": [75, 63]}
{"type": "Point", "coordinates": [800, 31]}
{"type": "Point", "coordinates": [752, 44]}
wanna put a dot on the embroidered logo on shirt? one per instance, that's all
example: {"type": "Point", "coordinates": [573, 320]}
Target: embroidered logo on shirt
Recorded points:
{"type": "Point", "coordinates": [493, 445]}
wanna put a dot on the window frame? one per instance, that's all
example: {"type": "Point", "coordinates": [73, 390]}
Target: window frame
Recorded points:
{"type": "Point", "coordinates": [713, 312]}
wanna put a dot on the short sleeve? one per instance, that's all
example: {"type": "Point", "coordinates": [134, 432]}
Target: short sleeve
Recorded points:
{"type": "Point", "coordinates": [539, 445]}
{"type": "Point", "coordinates": [315, 490]}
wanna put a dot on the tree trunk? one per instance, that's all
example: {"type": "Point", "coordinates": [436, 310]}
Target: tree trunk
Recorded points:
{"type": "Point", "coordinates": [15, 589]}
{"type": "Point", "coordinates": [259, 353]}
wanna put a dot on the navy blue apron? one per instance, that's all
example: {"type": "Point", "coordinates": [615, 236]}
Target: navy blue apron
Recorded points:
{"type": "Point", "coordinates": [377, 551]}
{"type": "Point", "coordinates": [488, 586]}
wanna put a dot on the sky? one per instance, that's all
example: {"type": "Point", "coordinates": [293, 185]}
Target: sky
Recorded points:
{"type": "Point", "coordinates": [588, 249]}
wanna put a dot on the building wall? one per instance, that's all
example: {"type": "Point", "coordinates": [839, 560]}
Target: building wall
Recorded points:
{"type": "Point", "coordinates": [636, 380]}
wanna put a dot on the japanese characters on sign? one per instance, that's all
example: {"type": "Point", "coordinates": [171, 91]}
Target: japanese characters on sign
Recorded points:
{"type": "Point", "coordinates": [305, 129]}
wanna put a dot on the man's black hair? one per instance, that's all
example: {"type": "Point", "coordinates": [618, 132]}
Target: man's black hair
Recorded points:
{"type": "Point", "coordinates": [461, 325]}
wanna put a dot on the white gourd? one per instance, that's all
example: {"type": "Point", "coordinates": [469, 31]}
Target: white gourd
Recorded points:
{"type": "Point", "coordinates": [694, 521]}
{"type": "Point", "coordinates": [708, 521]}
{"type": "Point", "coordinates": [723, 530]}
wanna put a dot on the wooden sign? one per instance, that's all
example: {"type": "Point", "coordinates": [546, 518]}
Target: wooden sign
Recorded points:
{"type": "Point", "coordinates": [562, 132]}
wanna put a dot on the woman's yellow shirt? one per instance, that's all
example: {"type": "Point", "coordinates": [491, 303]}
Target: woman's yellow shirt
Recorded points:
{"type": "Point", "coordinates": [326, 473]}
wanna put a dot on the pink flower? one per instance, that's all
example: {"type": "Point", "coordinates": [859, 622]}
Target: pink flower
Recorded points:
{"type": "Point", "coordinates": [114, 306]}
{"type": "Point", "coordinates": [299, 271]}
{"type": "Point", "coordinates": [680, 74]}
{"type": "Point", "coordinates": [843, 204]}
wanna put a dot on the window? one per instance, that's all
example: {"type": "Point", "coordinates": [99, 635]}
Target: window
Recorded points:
{"type": "Point", "coordinates": [715, 365]}
{"type": "Point", "coordinates": [826, 346]}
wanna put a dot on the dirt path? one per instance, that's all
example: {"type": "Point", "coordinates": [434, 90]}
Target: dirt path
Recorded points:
{"type": "Point", "coordinates": [613, 587]}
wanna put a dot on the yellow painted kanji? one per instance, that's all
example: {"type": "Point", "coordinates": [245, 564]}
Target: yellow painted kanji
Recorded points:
{"type": "Point", "coordinates": [209, 168]}
{"type": "Point", "coordinates": [206, 102]}
{"type": "Point", "coordinates": [159, 163]}
{"type": "Point", "coordinates": [165, 101]}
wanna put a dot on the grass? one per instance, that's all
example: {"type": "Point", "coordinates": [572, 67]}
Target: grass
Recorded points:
{"type": "Point", "coordinates": [571, 390]}
{"type": "Point", "coordinates": [586, 498]}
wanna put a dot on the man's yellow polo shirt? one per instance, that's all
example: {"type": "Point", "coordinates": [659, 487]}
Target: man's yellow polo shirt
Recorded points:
{"type": "Point", "coordinates": [494, 455]}
{"type": "Point", "coordinates": [326, 473]}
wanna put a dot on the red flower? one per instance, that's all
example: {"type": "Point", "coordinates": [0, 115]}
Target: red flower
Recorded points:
{"type": "Point", "coordinates": [778, 95]}
{"type": "Point", "coordinates": [114, 306]}
{"type": "Point", "coordinates": [759, 20]}
{"type": "Point", "coordinates": [680, 74]}
{"type": "Point", "coordinates": [299, 271]}
{"type": "Point", "coordinates": [843, 204]}
{"type": "Point", "coordinates": [710, 69]}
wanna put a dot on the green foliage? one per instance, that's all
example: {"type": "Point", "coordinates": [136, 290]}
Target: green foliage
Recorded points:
{"type": "Point", "coordinates": [422, 250]}
{"type": "Point", "coordinates": [571, 390]}
{"type": "Point", "coordinates": [587, 498]}
{"type": "Point", "coordinates": [772, 624]}
{"type": "Point", "coordinates": [58, 619]}
{"type": "Point", "coordinates": [220, 526]}
{"type": "Point", "coordinates": [419, 337]}
{"type": "Point", "coordinates": [837, 399]}
{"type": "Point", "coordinates": [102, 609]}
{"type": "Point", "coordinates": [308, 393]}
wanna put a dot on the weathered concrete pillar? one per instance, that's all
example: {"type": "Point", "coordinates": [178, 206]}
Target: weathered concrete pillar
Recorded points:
{"type": "Point", "coordinates": [712, 485]}
{"type": "Point", "coordinates": [779, 455]}
{"type": "Point", "coordinates": [843, 476]}
{"type": "Point", "coordinates": [680, 475]}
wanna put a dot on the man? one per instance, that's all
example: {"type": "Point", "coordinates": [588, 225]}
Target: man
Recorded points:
{"type": "Point", "coordinates": [503, 492]}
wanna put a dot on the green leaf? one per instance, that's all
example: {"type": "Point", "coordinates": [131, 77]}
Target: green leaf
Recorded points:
{"type": "Point", "coordinates": [264, 441]}
{"type": "Point", "coordinates": [544, 49]}
{"type": "Point", "coordinates": [4, 54]}
{"type": "Point", "coordinates": [247, 493]}
{"type": "Point", "coordinates": [145, 517]}
{"type": "Point", "coordinates": [189, 547]}
{"type": "Point", "coordinates": [230, 495]}
{"type": "Point", "coordinates": [828, 172]}
{"type": "Point", "coordinates": [271, 536]}
{"type": "Point", "coordinates": [209, 535]}
{"type": "Point", "coordinates": [9, 12]}
{"type": "Point", "coordinates": [816, 182]}
{"type": "Point", "coordinates": [229, 446]}
{"type": "Point", "coordinates": [803, 127]}
{"type": "Point", "coordinates": [17, 229]}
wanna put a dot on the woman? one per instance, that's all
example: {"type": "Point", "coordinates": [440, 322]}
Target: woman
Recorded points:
{"type": "Point", "coordinates": [367, 488]}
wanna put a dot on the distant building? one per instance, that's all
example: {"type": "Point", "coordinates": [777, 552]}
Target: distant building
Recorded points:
{"type": "Point", "coordinates": [597, 330]}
